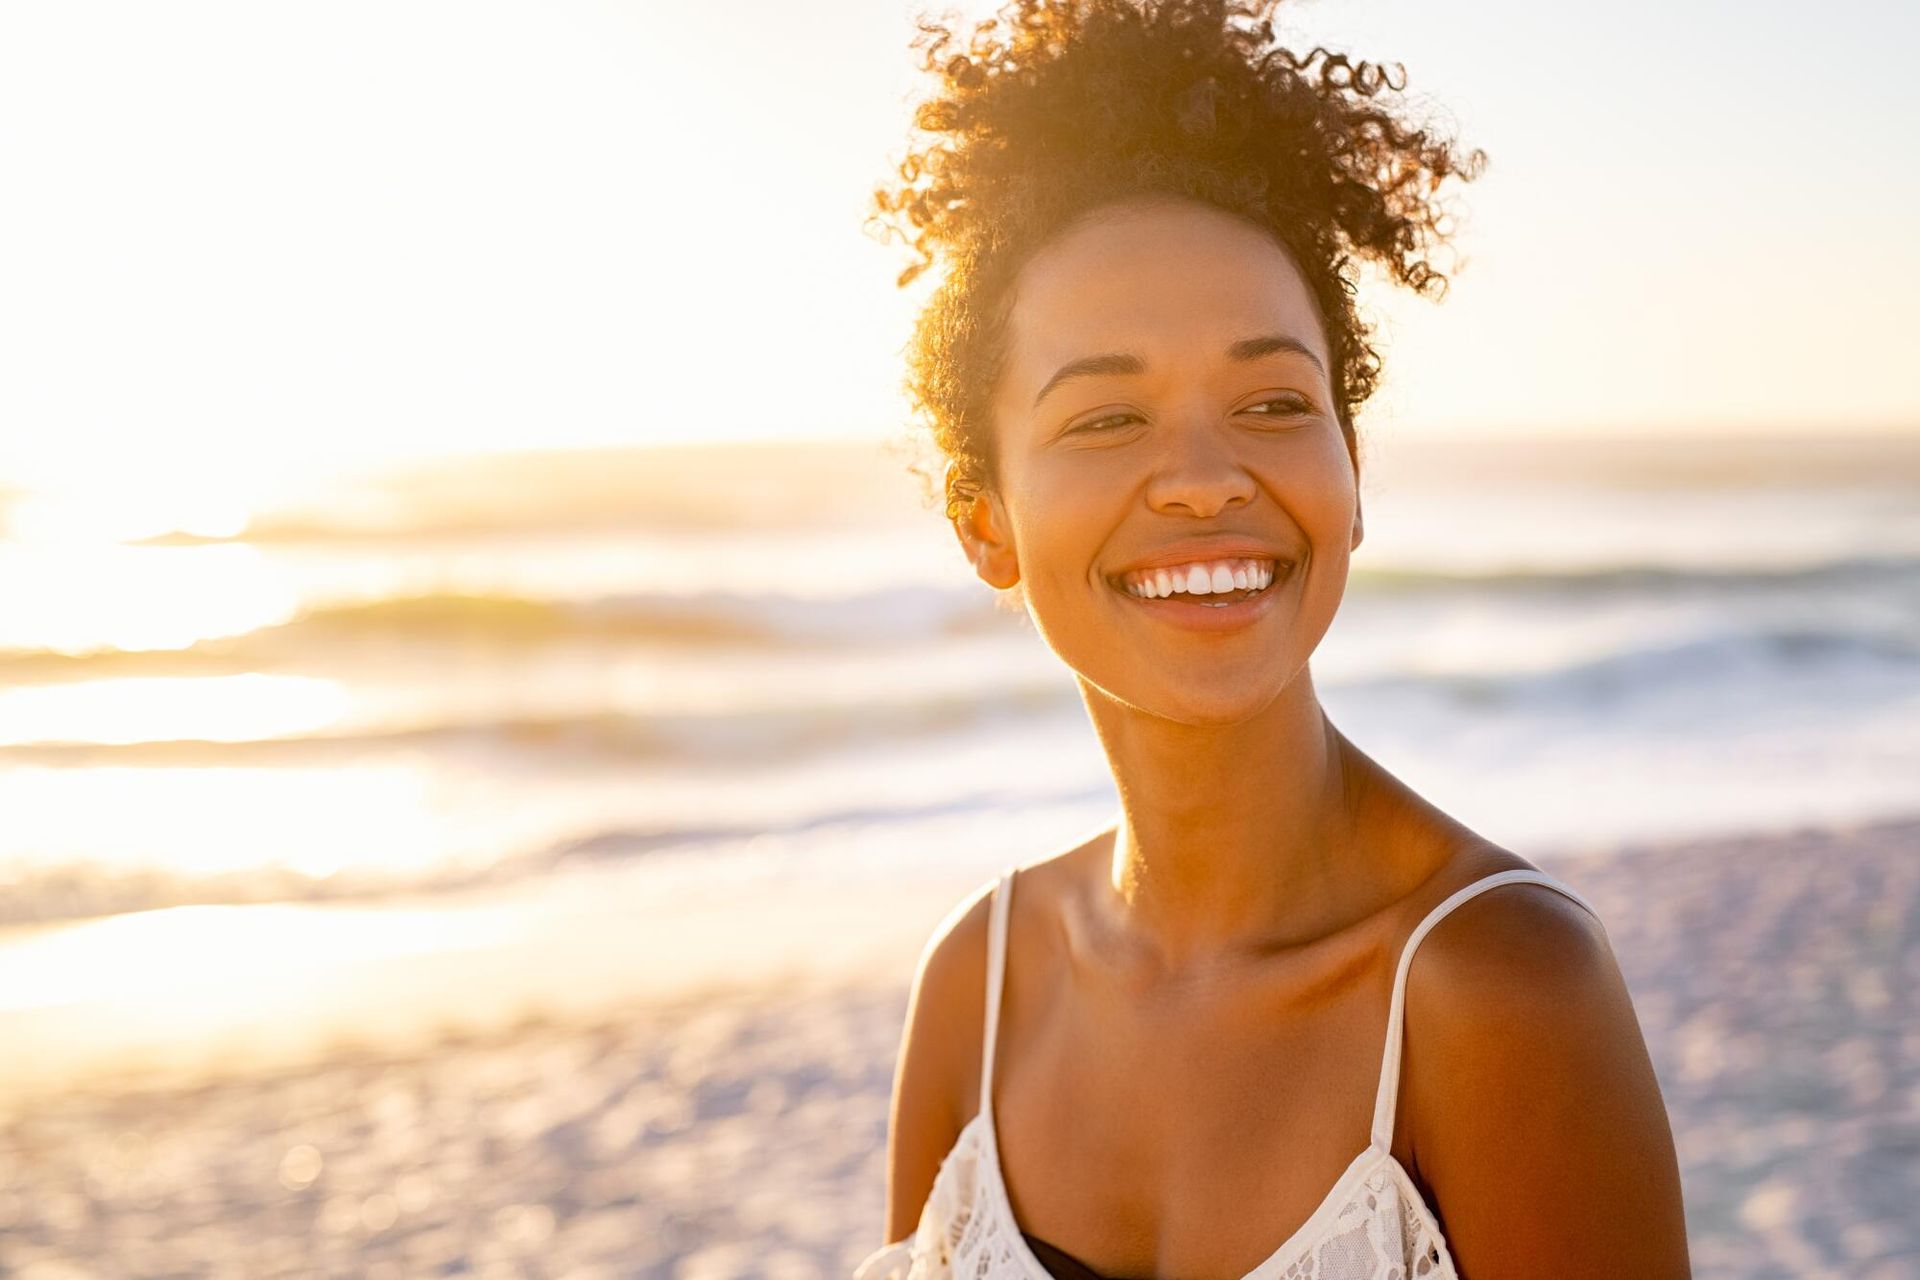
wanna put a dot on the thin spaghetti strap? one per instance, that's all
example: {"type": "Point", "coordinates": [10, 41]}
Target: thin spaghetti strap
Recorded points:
{"type": "Point", "coordinates": [1388, 1092]}
{"type": "Point", "coordinates": [996, 979]}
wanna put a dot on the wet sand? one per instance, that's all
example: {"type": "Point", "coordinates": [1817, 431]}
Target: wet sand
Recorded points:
{"type": "Point", "coordinates": [742, 1132]}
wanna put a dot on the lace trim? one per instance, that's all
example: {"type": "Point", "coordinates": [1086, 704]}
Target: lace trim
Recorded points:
{"type": "Point", "coordinates": [1382, 1232]}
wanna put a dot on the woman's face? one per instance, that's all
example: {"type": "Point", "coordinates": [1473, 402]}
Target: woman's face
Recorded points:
{"type": "Point", "coordinates": [1143, 404]}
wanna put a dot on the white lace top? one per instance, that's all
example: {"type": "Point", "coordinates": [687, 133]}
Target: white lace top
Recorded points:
{"type": "Point", "coordinates": [1372, 1225]}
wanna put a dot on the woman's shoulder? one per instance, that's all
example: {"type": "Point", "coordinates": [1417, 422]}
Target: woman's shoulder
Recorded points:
{"type": "Point", "coordinates": [952, 969]}
{"type": "Point", "coordinates": [1511, 974]}
{"type": "Point", "coordinates": [1522, 1039]}
{"type": "Point", "coordinates": [947, 1001]}
{"type": "Point", "coordinates": [948, 1005]}
{"type": "Point", "coordinates": [934, 1075]}
{"type": "Point", "coordinates": [1482, 938]}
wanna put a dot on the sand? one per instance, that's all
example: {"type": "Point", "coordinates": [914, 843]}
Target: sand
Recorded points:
{"type": "Point", "coordinates": [743, 1133]}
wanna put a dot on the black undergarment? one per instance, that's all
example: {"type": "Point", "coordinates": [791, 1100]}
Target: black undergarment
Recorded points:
{"type": "Point", "coordinates": [1062, 1265]}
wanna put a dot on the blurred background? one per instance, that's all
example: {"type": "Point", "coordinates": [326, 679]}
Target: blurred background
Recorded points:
{"type": "Point", "coordinates": [487, 720]}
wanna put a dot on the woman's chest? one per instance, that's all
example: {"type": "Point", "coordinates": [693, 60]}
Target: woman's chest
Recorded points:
{"type": "Point", "coordinates": [1190, 1138]}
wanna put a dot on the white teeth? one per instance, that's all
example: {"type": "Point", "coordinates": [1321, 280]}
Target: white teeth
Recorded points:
{"type": "Point", "coordinates": [1201, 579]}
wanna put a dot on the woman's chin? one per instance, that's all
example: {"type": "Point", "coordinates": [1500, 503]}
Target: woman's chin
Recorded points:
{"type": "Point", "coordinates": [1211, 700]}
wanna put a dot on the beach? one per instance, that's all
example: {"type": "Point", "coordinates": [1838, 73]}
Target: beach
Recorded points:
{"type": "Point", "coordinates": [740, 1130]}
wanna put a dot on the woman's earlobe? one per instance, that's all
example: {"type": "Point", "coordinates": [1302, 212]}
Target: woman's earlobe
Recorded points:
{"type": "Point", "coordinates": [986, 544]}
{"type": "Point", "coordinates": [1358, 531]}
{"type": "Point", "coordinates": [998, 570]}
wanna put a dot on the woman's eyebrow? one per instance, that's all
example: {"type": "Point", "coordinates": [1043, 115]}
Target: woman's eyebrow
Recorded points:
{"type": "Point", "coordinates": [1123, 362]}
{"type": "Point", "coordinates": [1268, 343]}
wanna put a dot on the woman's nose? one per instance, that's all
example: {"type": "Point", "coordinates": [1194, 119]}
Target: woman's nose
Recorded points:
{"type": "Point", "coordinates": [1200, 472]}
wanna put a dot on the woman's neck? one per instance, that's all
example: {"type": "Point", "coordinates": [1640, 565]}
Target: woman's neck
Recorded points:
{"type": "Point", "coordinates": [1240, 840]}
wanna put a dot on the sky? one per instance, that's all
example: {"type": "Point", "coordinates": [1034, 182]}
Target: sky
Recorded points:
{"type": "Point", "coordinates": [246, 240]}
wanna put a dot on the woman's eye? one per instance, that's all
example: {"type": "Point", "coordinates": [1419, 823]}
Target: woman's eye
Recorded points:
{"type": "Point", "coordinates": [1294, 405]}
{"type": "Point", "coordinates": [1101, 424]}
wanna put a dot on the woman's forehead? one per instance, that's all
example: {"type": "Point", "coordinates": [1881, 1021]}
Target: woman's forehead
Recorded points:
{"type": "Point", "coordinates": [1163, 275]}
{"type": "Point", "coordinates": [1209, 324]}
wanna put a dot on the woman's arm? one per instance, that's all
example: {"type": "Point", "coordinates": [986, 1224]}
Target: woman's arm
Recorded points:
{"type": "Point", "coordinates": [943, 1037]}
{"type": "Point", "coordinates": [1538, 1121]}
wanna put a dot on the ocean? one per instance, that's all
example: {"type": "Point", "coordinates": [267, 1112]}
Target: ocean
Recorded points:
{"type": "Point", "coordinates": [622, 683]}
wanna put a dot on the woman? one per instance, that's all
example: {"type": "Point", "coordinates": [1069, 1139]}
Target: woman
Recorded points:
{"type": "Point", "coordinates": [1156, 1054]}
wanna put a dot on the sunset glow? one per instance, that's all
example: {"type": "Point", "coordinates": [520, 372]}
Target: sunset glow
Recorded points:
{"type": "Point", "coordinates": [80, 597]}
{"type": "Point", "coordinates": [236, 708]}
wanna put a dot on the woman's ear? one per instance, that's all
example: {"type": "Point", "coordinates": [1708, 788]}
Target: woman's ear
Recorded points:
{"type": "Point", "coordinates": [985, 536]}
{"type": "Point", "coordinates": [1358, 531]}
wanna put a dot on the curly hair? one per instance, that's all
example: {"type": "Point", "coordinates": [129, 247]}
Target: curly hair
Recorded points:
{"type": "Point", "coordinates": [1052, 108]}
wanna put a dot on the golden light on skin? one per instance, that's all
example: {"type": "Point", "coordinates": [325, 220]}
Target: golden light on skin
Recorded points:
{"type": "Point", "coordinates": [1166, 435]}
{"type": "Point", "coordinates": [236, 708]}
{"type": "Point", "coordinates": [199, 822]}
{"type": "Point", "coordinates": [137, 598]}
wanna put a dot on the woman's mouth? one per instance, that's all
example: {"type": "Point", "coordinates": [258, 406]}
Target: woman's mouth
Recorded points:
{"type": "Point", "coordinates": [1193, 601]}
{"type": "Point", "coordinates": [1218, 582]}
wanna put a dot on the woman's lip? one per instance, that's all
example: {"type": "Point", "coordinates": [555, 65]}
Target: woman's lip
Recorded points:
{"type": "Point", "coordinates": [1184, 612]}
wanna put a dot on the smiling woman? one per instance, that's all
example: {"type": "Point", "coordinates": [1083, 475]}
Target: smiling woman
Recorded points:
{"type": "Point", "coordinates": [1142, 367]}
